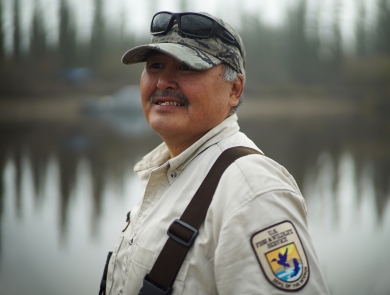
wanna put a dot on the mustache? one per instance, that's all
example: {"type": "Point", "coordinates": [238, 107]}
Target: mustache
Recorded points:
{"type": "Point", "coordinates": [169, 93]}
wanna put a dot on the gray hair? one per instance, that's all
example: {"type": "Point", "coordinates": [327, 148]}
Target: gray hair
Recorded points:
{"type": "Point", "coordinates": [230, 75]}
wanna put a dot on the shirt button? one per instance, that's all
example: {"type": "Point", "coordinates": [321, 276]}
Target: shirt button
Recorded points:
{"type": "Point", "coordinates": [173, 175]}
{"type": "Point", "coordinates": [131, 242]}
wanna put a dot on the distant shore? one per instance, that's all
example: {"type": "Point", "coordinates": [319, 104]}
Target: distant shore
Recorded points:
{"type": "Point", "coordinates": [69, 109]}
{"type": "Point", "coordinates": [295, 107]}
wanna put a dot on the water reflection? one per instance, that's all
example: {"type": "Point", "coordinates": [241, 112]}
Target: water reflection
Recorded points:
{"type": "Point", "coordinates": [66, 190]}
{"type": "Point", "coordinates": [37, 258]}
{"type": "Point", "coordinates": [351, 237]}
{"type": "Point", "coordinates": [109, 154]}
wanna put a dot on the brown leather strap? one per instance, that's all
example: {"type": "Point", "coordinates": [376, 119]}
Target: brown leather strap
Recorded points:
{"type": "Point", "coordinates": [168, 263]}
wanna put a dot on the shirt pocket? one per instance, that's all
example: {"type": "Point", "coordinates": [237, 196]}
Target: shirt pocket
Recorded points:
{"type": "Point", "coordinates": [143, 260]}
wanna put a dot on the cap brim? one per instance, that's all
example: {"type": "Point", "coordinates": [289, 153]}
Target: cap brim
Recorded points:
{"type": "Point", "coordinates": [193, 57]}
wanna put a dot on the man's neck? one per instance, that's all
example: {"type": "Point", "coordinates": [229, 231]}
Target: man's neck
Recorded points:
{"type": "Point", "coordinates": [176, 145]}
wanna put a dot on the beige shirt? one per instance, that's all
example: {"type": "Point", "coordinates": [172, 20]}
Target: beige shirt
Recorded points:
{"type": "Point", "coordinates": [256, 209]}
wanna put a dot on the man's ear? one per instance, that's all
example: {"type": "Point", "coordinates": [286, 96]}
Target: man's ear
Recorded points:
{"type": "Point", "coordinates": [236, 90]}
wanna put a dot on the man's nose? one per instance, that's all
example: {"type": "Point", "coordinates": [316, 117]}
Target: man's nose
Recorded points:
{"type": "Point", "coordinates": [167, 79]}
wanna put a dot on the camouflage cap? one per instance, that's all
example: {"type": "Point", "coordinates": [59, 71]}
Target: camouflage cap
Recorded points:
{"type": "Point", "coordinates": [199, 54]}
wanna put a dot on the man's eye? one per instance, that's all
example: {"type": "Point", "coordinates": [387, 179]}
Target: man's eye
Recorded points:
{"type": "Point", "coordinates": [185, 68]}
{"type": "Point", "coordinates": [154, 65]}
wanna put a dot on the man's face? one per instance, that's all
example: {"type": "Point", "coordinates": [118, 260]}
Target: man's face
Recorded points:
{"type": "Point", "coordinates": [182, 104]}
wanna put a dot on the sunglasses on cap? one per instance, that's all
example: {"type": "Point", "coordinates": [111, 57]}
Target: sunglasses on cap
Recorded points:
{"type": "Point", "coordinates": [191, 25]}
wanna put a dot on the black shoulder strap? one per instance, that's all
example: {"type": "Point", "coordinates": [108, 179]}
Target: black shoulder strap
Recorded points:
{"type": "Point", "coordinates": [182, 232]}
{"type": "Point", "coordinates": [102, 290]}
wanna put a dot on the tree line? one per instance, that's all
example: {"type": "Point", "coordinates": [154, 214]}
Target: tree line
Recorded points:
{"type": "Point", "coordinates": [275, 55]}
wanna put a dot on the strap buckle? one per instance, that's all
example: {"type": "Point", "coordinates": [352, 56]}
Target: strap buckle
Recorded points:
{"type": "Point", "coordinates": [149, 288]}
{"type": "Point", "coordinates": [180, 240]}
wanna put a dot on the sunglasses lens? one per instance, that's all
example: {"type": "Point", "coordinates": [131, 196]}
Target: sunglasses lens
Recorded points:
{"type": "Point", "coordinates": [196, 25]}
{"type": "Point", "coordinates": [160, 22]}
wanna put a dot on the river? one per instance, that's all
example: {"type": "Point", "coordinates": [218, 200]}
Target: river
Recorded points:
{"type": "Point", "coordinates": [66, 187]}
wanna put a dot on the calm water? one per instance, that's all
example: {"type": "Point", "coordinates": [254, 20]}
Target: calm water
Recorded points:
{"type": "Point", "coordinates": [66, 189]}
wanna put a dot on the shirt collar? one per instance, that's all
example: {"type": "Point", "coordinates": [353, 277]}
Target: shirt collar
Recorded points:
{"type": "Point", "coordinates": [160, 155]}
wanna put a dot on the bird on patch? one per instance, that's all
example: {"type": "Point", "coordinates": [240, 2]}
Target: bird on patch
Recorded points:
{"type": "Point", "coordinates": [282, 259]}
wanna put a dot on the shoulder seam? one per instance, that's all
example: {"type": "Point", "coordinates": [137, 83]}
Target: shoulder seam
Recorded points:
{"type": "Point", "coordinates": [257, 194]}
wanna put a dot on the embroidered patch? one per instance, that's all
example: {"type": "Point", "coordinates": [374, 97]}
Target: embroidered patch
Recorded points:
{"type": "Point", "coordinates": [281, 256]}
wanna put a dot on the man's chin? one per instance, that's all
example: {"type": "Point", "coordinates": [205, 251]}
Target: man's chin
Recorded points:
{"type": "Point", "coordinates": [165, 127]}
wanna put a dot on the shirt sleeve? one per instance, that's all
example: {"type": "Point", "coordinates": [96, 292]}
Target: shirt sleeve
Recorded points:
{"type": "Point", "coordinates": [247, 259]}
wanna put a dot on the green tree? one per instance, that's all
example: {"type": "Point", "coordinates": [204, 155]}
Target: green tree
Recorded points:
{"type": "Point", "coordinates": [67, 36]}
{"type": "Point", "coordinates": [337, 52]}
{"type": "Point", "coordinates": [383, 30]}
{"type": "Point", "coordinates": [263, 51]}
{"type": "Point", "coordinates": [98, 33]}
{"type": "Point", "coordinates": [2, 51]}
{"type": "Point", "coordinates": [301, 53]}
{"type": "Point", "coordinates": [361, 38]}
{"type": "Point", "coordinates": [16, 36]}
{"type": "Point", "coordinates": [38, 37]}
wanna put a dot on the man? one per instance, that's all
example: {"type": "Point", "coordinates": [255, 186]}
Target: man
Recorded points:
{"type": "Point", "coordinates": [254, 239]}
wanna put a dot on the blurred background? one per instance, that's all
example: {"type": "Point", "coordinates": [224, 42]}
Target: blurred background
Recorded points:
{"type": "Point", "coordinates": [317, 100]}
